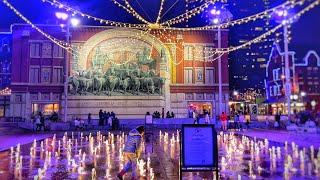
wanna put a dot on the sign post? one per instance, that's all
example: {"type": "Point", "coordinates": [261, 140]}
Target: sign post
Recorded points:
{"type": "Point", "coordinates": [199, 149]}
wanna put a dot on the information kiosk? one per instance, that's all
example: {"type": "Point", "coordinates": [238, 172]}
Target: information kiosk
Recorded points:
{"type": "Point", "coordinates": [199, 149]}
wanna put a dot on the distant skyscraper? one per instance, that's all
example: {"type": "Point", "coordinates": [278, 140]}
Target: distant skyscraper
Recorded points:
{"type": "Point", "coordinates": [5, 60]}
{"type": "Point", "coordinates": [247, 66]}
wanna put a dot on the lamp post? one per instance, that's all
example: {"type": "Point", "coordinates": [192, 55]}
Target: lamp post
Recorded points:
{"type": "Point", "coordinates": [220, 15]}
{"type": "Point", "coordinates": [282, 17]}
{"type": "Point", "coordinates": [74, 22]}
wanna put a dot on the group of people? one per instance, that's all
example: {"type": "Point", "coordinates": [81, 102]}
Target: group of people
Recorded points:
{"type": "Point", "coordinates": [79, 124]}
{"type": "Point", "coordinates": [240, 121]}
{"type": "Point", "coordinates": [157, 114]}
{"type": "Point", "coordinates": [108, 118]}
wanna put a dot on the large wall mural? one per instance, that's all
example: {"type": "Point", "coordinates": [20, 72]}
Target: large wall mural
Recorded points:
{"type": "Point", "coordinates": [118, 66]}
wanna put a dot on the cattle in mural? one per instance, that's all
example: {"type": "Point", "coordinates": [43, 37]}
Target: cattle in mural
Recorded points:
{"type": "Point", "coordinates": [131, 78]}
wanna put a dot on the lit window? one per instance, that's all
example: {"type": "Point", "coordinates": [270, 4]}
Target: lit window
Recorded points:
{"type": "Point", "coordinates": [34, 50]}
{"type": "Point", "coordinates": [46, 50]}
{"type": "Point", "coordinates": [188, 52]}
{"type": "Point", "coordinates": [275, 73]}
{"type": "Point", "coordinates": [57, 75]}
{"type": "Point", "coordinates": [188, 76]}
{"type": "Point", "coordinates": [57, 51]}
{"type": "Point", "coordinates": [45, 75]}
{"type": "Point", "coordinates": [34, 75]}
{"type": "Point", "coordinates": [198, 54]}
{"type": "Point", "coordinates": [210, 76]}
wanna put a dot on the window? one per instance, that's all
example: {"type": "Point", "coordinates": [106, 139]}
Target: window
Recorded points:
{"type": "Point", "coordinates": [199, 73]}
{"type": "Point", "coordinates": [34, 75]}
{"type": "Point", "coordinates": [198, 54]}
{"type": "Point", "coordinates": [45, 75]}
{"type": "Point", "coordinates": [188, 52]}
{"type": "Point", "coordinates": [188, 76]}
{"type": "Point", "coordinates": [208, 53]}
{"type": "Point", "coordinates": [270, 89]}
{"type": "Point", "coordinates": [209, 76]}
{"type": "Point", "coordinates": [46, 49]}
{"type": "Point", "coordinates": [275, 90]}
{"type": "Point", "coordinates": [35, 50]}
{"type": "Point", "coordinates": [275, 73]}
{"type": "Point", "coordinates": [57, 51]}
{"type": "Point", "coordinates": [57, 75]}
{"type": "Point", "coordinates": [278, 90]}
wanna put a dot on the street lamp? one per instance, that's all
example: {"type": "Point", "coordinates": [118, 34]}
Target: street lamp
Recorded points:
{"type": "Point", "coordinates": [235, 93]}
{"type": "Point", "coordinates": [220, 15]}
{"type": "Point", "coordinates": [282, 16]}
{"type": "Point", "coordinates": [313, 104]}
{"type": "Point", "coordinates": [73, 22]}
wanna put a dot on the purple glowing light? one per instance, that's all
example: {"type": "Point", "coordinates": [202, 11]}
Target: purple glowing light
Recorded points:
{"type": "Point", "coordinates": [282, 13]}
{"type": "Point", "coordinates": [215, 12]}
{"type": "Point", "coordinates": [74, 21]}
{"type": "Point", "coordinates": [215, 20]}
{"type": "Point", "coordinates": [61, 15]}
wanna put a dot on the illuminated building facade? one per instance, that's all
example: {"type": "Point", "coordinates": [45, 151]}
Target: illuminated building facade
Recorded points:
{"type": "Point", "coordinates": [182, 59]}
{"type": "Point", "coordinates": [305, 80]}
{"type": "Point", "coordinates": [308, 79]}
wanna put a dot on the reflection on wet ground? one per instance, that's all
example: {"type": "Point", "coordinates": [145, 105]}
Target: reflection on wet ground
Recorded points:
{"type": "Point", "coordinates": [99, 156]}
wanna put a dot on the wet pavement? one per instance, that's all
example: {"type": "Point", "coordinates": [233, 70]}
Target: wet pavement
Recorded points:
{"type": "Point", "coordinates": [301, 139]}
{"type": "Point", "coordinates": [99, 156]}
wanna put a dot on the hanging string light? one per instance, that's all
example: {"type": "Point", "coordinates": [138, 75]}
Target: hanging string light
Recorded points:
{"type": "Point", "coordinates": [160, 11]}
{"type": "Point", "coordinates": [259, 38]}
{"type": "Point", "coordinates": [188, 14]}
{"type": "Point", "coordinates": [102, 21]}
{"type": "Point", "coordinates": [131, 11]}
{"type": "Point", "coordinates": [220, 51]}
{"type": "Point", "coordinates": [60, 43]}
{"type": "Point", "coordinates": [261, 15]}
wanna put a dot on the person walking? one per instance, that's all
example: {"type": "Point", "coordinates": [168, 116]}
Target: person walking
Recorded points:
{"type": "Point", "coordinates": [131, 152]}
{"type": "Point", "coordinates": [100, 117]}
{"type": "Point", "coordinates": [241, 120]}
{"type": "Point", "coordinates": [89, 121]}
{"type": "Point", "coordinates": [207, 119]}
{"type": "Point", "coordinates": [41, 120]}
{"type": "Point", "coordinates": [38, 123]}
{"type": "Point", "coordinates": [236, 121]}
{"type": "Point", "coordinates": [224, 122]}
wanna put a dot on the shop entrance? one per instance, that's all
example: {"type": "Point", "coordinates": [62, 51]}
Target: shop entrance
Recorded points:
{"type": "Point", "coordinates": [200, 108]}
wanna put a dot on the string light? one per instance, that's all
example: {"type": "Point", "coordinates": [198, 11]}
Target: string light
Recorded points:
{"type": "Point", "coordinates": [259, 38]}
{"type": "Point", "coordinates": [5, 92]}
{"type": "Point", "coordinates": [219, 51]}
{"type": "Point", "coordinates": [254, 17]}
{"type": "Point", "coordinates": [60, 43]}
{"type": "Point", "coordinates": [131, 11]}
{"type": "Point", "coordinates": [160, 11]}
{"type": "Point", "coordinates": [102, 21]}
{"type": "Point", "coordinates": [188, 14]}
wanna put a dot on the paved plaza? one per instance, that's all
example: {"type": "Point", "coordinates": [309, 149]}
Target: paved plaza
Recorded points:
{"type": "Point", "coordinates": [98, 155]}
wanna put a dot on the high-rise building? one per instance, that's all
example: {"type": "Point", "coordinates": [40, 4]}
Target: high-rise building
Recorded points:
{"type": "Point", "coordinates": [5, 72]}
{"type": "Point", "coordinates": [247, 66]}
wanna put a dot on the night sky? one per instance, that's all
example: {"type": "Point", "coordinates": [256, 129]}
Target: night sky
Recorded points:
{"type": "Point", "coordinates": [305, 32]}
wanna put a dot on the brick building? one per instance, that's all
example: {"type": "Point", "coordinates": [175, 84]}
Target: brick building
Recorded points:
{"type": "Point", "coordinates": [305, 81]}
{"type": "Point", "coordinates": [191, 79]}
{"type": "Point", "coordinates": [275, 79]}
{"type": "Point", "coordinates": [308, 79]}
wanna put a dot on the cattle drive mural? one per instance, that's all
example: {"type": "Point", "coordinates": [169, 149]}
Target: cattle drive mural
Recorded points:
{"type": "Point", "coordinates": [119, 72]}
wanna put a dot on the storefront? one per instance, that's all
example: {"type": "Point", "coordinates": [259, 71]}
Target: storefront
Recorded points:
{"type": "Point", "coordinates": [200, 108]}
{"type": "Point", "coordinates": [45, 108]}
